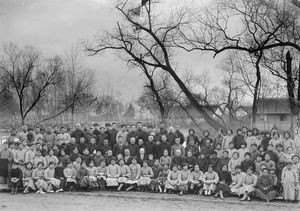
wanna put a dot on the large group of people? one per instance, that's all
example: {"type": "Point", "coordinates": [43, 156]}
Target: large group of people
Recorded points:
{"type": "Point", "coordinates": [248, 164]}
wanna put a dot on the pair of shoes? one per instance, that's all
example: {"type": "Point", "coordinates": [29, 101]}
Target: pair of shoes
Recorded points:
{"type": "Point", "coordinates": [59, 190]}
{"type": "Point", "coordinates": [181, 193]}
{"type": "Point", "coordinates": [205, 192]}
{"type": "Point", "coordinates": [50, 191]}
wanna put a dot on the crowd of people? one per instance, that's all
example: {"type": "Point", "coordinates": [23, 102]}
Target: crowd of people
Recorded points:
{"type": "Point", "coordinates": [249, 164]}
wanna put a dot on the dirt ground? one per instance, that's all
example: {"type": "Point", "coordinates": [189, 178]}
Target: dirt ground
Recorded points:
{"type": "Point", "coordinates": [131, 201]}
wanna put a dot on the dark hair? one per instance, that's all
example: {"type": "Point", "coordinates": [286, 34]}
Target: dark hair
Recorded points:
{"type": "Point", "coordinates": [247, 153]}
{"type": "Point", "coordinates": [51, 163]}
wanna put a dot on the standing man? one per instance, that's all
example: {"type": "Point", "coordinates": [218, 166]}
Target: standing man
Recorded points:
{"type": "Point", "coordinates": [123, 132]}
{"type": "Point", "coordinates": [179, 134]}
{"type": "Point", "coordinates": [113, 134]}
{"type": "Point", "coordinates": [77, 133]}
{"type": "Point", "coordinates": [162, 128]}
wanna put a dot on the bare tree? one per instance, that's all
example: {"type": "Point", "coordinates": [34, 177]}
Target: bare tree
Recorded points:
{"type": "Point", "coordinates": [26, 76]}
{"type": "Point", "coordinates": [148, 42]}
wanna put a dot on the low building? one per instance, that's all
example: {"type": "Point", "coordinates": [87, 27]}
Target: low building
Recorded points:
{"type": "Point", "coordinates": [273, 112]}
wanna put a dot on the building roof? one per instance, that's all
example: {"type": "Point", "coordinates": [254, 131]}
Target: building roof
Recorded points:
{"type": "Point", "coordinates": [273, 106]}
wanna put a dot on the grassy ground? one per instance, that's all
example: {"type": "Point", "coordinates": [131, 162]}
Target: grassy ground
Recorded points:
{"type": "Point", "coordinates": [131, 201]}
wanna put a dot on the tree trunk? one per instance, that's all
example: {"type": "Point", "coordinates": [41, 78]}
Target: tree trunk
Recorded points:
{"type": "Point", "coordinates": [290, 84]}
{"type": "Point", "coordinates": [212, 122]}
{"type": "Point", "coordinates": [256, 89]}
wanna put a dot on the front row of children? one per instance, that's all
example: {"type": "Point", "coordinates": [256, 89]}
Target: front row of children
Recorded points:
{"type": "Point", "coordinates": [180, 179]}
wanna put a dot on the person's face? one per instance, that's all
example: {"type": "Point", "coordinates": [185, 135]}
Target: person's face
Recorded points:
{"type": "Point", "coordinates": [229, 132]}
{"type": "Point", "coordinates": [51, 152]}
{"type": "Point", "coordinates": [205, 133]}
{"type": "Point", "coordinates": [81, 140]}
{"type": "Point", "coordinates": [91, 164]}
{"type": "Point", "coordinates": [254, 148]}
{"type": "Point", "coordinates": [121, 162]}
{"type": "Point", "coordinates": [156, 163]}
{"type": "Point", "coordinates": [210, 169]}
{"type": "Point", "coordinates": [127, 152]}
{"type": "Point", "coordinates": [98, 153]}
{"type": "Point", "coordinates": [268, 135]}
{"type": "Point", "coordinates": [29, 165]}
{"type": "Point", "coordinates": [177, 140]}
{"type": "Point", "coordinates": [144, 129]}
{"type": "Point", "coordinates": [235, 155]}
{"type": "Point", "coordinates": [60, 164]}
{"type": "Point", "coordinates": [224, 168]}
{"type": "Point", "coordinates": [109, 153]}
{"type": "Point", "coordinates": [243, 146]}
{"type": "Point", "coordinates": [142, 151]}
{"type": "Point", "coordinates": [51, 166]}
{"type": "Point", "coordinates": [150, 157]}
{"type": "Point", "coordinates": [267, 157]}
{"type": "Point", "coordinates": [102, 129]}
{"type": "Point", "coordinates": [175, 168]}
{"type": "Point", "coordinates": [114, 126]}
{"type": "Point", "coordinates": [207, 142]}
{"type": "Point", "coordinates": [123, 128]}
{"type": "Point", "coordinates": [265, 172]}
{"type": "Point", "coordinates": [62, 152]}
{"type": "Point", "coordinates": [279, 149]}
{"type": "Point", "coordinates": [40, 166]}
{"type": "Point", "coordinates": [270, 148]}
{"type": "Point", "coordinates": [238, 170]}
{"type": "Point", "coordinates": [239, 132]}
{"type": "Point", "coordinates": [77, 126]}
{"type": "Point", "coordinates": [219, 147]}
{"type": "Point", "coordinates": [189, 154]}
{"type": "Point", "coordinates": [73, 140]}
{"type": "Point", "coordinates": [120, 140]}
{"type": "Point", "coordinates": [133, 161]}
{"type": "Point", "coordinates": [93, 141]}
{"type": "Point", "coordinates": [119, 156]}
{"type": "Point", "coordinates": [185, 167]}
{"type": "Point", "coordinates": [249, 172]}
{"type": "Point", "coordinates": [177, 128]}
{"type": "Point", "coordinates": [150, 138]}
{"type": "Point", "coordinates": [196, 168]}
{"type": "Point", "coordinates": [21, 146]}
{"type": "Point", "coordinates": [14, 166]}
{"type": "Point", "coordinates": [166, 167]}
{"type": "Point", "coordinates": [102, 164]}
{"type": "Point", "coordinates": [295, 160]}
{"type": "Point", "coordinates": [141, 142]}
{"type": "Point", "coordinates": [178, 153]}
{"type": "Point", "coordinates": [164, 138]}
{"type": "Point", "coordinates": [75, 151]}
{"type": "Point", "coordinates": [83, 165]}
{"type": "Point", "coordinates": [78, 160]}
{"type": "Point", "coordinates": [24, 143]}
{"type": "Point", "coordinates": [162, 125]}
{"type": "Point", "coordinates": [138, 125]}
{"type": "Point", "coordinates": [165, 153]}
{"type": "Point", "coordinates": [259, 158]}
{"type": "Point", "coordinates": [202, 156]}
{"type": "Point", "coordinates": [91, 130]}
{"type": "Point", "coordinates": [145, 164]}
{"type": "Point", "coordinates": [133, 128]}
{"type": "Point", "coordinates": [105, 142]}
{"type": "Point", "coordinates": [225, 155]}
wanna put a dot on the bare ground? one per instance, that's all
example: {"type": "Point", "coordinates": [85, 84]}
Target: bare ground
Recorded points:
{"type": "Point", "coordinates": [131, 201]}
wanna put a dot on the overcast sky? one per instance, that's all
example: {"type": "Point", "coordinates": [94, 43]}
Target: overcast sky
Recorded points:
{"type": "Point", "coordinates": [53, 26]}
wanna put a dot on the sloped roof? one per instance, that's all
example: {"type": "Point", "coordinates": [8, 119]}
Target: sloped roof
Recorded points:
{"type": "Point", "coordinates": [273, 106]}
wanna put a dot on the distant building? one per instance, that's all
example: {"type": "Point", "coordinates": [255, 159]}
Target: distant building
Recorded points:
{"type": "Point", "coordinates": [273, 112]}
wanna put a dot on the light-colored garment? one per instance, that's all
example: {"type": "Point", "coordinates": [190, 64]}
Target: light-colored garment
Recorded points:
{"type": "Point", "coordinates": [288, 179]}
{"type": "Point", "coordinates": [226, 140]}
{"type": "Point", "coordinates": [248, 184]}
{"type": "Point", "coordinates": [233, 163]}
{"type": "Point", "coordinates": [210, 180]}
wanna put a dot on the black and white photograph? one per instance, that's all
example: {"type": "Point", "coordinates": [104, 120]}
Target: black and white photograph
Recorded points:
{"type": "Point", "coordinates": [155, 105]}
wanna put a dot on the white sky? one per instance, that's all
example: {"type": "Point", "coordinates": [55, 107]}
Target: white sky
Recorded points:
{"type": "Point", "coordinates": [53, 26]}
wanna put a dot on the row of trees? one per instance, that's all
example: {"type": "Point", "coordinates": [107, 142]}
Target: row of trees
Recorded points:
{"type": "Point", "coordinates": [265, 42]}
{"type": "Point", "coordinates": [37, 89]}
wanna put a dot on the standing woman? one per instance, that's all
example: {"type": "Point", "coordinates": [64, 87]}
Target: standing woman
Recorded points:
{"type": "Point", "coordinates": [193, 136]}
{"type": "Point", "coordinates": [288, 142]}
{"type": "Point", "coordinates": [248, 185]}
{"type": "Point", "coordinates": [39, 179]}
{"type": "Point", "coordinates": [289, 182]}
{"type": "Point", "coordinates": [113, 173]}
{"type": "Point", "coordinates": [210, 180]}
{"type": "Point", "coordinates": [27, 178]}
{"type": "Point", "coordinates": [135, 173]}
{"type": "Point", "coordinates": [227, 139]}
{"type": "Point", "coordinates": [224, 181]}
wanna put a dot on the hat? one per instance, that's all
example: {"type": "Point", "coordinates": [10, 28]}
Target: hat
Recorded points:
{"type": "Point", "coordinates": [295, 156]}
{"type": "Point", "coordinates": [107, 124]}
